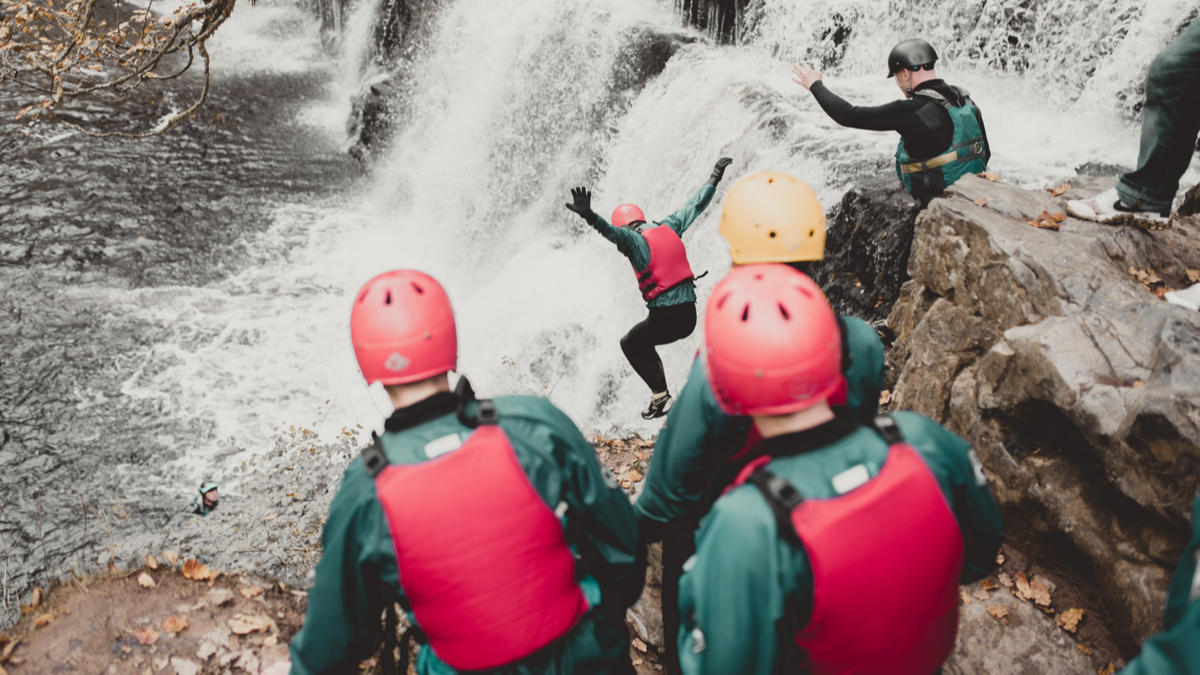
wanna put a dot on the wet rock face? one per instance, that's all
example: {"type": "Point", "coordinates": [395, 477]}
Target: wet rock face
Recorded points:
{"type": "Point", "coordinates": [866, 249]}
{"type": "Point", "coordinates": [1077, 386]}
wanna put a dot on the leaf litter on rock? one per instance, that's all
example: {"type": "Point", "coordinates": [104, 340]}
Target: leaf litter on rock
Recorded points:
{"type": "Point", "coordinates": [251, 592]}
{"type": "Point", "coordinates": [999, 612]}
{"type": "Point", "coordinates": [174, 624]}
{"type": "Point", "coordinates": [1069, 619]}
{"type": "Point", "coordinates": [1058, 190]}
{"type": "Point", "coordinates": [146, 581]}
{"type": "Point", "coordinates": [146, 636]}
{"type": "Point", "coordinates": [44, 619]}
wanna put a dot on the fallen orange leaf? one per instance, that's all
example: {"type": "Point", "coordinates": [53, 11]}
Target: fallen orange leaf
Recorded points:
{"type": "Point", "coordinates": [1056, 191]}
{"type": "Point", "coordinates": [151, 562]}
{"type": "Point", "coordinates": [988, 584]}
{"type": "Point", "coordinates": [995, 178]}
{"type": "Point", "coordinates": [147, 636]}
{"type": "Point", "coordinates": [174, 624]}
{"type": "Point", "coordinates": [641, 646]}
{"type": "Point", "coordinates": [982, 595]}
{"type": "Point", "coordinates": [885, 397]}
{"type": "Point", "coordinates": [171, 557]}
{"type": "Point", "coordinates": [982, 201]}
{"type": "Point", "coordinates": [8, 649]}
{"type": "Point", "coordinates": [1083, 648]}
{"type": "Point", "coordinates": [243, 625]}
{"type": "Point", "coordinates": [998, 612]}
{"type": "Point", "coordinates": [146, 581]}
{"type": "Point", "coordinates": [1107, 670]}
{"type": "Point", "coordinates": [966, 597]}
{"type": "Point", "coordinates": [43, 619]}
{"type": "Point", "coordinates": [1069, 619]}
{"type": "Point", "coordinates": [252, 591]}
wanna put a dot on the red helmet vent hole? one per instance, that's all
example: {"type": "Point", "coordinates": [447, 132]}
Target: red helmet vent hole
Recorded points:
{"type": "Point", "coordinates": [746, 312]}
{"type": "Point", "coordinates": [387, 299]}
{"type": "Point", "coordinates": [784, 312]}
{"type": "Point", "coordinates": [418, 289]}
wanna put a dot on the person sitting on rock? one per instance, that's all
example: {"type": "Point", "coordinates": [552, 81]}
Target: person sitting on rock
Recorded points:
{"type": "Point", "coordinates": [942, 137]}
{"type": "Point", "coordinates": [782, 578]}
{"type": "Point", "coordinates": [1170, 125]}
{"type": "Point", "coordinates": [1176, 650]}
{"type": "Point", "coordinates": [663, 275]}
{"type": "Point", "coordinates": [767, 217]}
{"type": "Point", "coordinates": [490, 522]}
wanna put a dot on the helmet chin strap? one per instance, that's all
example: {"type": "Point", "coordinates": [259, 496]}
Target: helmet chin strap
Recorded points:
{"type": "Point", "coordinates": [908, 92]}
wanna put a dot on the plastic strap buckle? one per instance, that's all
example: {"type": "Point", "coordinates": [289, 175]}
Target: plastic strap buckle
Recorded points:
{"type": "Point", "coordinates": [486, 413]}
{"type": "Point", "coordinates": [374, 459]}
{"type": "Point", "coordinates": [888, 429]}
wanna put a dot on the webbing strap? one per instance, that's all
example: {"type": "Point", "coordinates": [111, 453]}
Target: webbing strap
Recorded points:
{"type": "Point", "coordinates": [886, 427]}
{"type": "Point", "coordinates": [374, 459]}
{"type": "Point", "coordinates": [782, 497]}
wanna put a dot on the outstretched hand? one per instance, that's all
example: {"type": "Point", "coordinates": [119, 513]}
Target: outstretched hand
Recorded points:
{"type": "Point", "coordinates": [719, 170]}
{"type": "Point", "coordinates": [805, 76]}
{"type": "Point", "coordinates": [582, 203]}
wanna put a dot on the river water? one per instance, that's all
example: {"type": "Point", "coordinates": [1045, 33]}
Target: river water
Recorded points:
{"type": "Point", "coordinates": [172, 306]}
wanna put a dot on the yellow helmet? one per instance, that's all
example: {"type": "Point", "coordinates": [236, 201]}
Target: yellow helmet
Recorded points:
{"type": "Point", "coordinates": [772, 217]}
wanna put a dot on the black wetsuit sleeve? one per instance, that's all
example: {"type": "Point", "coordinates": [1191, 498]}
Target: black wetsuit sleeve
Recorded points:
{"type": "Point", "coordinates": [895, 116]}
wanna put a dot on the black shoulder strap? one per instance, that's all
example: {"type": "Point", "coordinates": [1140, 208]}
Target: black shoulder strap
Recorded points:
{"type": "Point", "coordinates": [782, 497]}
{"type": "Point", "coordinates": [886, 427]}
{"type": "Point", "coordinates": [844, 332]}
{"type": "Point", "coordinates": [485, 412]}
{"type": "Point", "coordinates": [374, 459]}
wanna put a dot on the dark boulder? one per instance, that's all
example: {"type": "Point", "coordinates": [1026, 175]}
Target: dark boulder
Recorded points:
{"type": "Point", "coordinates": [866, 249]}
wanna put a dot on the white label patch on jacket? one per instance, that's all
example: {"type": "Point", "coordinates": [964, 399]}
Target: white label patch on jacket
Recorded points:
{"type": "Point", "coordinates": [851, 478]}
{"type": "Point", "coordinates": [977, 467]}
{"type": "Point", "coordinates": [441, 446]}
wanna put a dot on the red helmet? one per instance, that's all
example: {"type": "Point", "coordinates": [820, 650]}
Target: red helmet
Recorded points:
{"type": "Point", "coordinates": [403, 328]}
{"type": "Point", "coordinates": [625, 214]}
{"type": "Point", "coordinates": [772, 343]}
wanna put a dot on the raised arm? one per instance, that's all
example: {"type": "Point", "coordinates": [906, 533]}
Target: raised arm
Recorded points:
{"type": "Point", "coordinates": [631, 244]}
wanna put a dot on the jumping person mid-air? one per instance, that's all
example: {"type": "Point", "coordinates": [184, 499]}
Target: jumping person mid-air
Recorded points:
{"type": "Point", "coordinates": [941, 130]}
{"type": "Point", "coordinates": [663, 275]}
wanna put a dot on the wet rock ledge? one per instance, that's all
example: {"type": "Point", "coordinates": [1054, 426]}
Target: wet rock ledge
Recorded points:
{"type": "Point", "coordinates": [1078, 386]}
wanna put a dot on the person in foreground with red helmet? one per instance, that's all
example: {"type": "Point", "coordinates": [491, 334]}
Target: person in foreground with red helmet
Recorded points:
{"type": "Point", "coordinates": [767, 217]}
{"type": "Point", "coordinates": [787, 563]}
{"type": "Point", "coordinates": [489, 521]}
{"type": "Point", "coordinates": [663, 275]}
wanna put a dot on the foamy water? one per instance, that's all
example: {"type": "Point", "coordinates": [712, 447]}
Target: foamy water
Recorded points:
{"type": "Point", "coordinates": [514, 108]}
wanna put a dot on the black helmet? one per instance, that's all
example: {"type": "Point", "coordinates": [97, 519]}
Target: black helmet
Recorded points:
{"type": "Point", "coordinates": [909, 55]}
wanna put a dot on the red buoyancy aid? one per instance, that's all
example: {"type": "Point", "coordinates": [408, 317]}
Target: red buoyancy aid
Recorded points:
{"type": "Point", "coordinates": [668, 263]}
{"type": "Point", "coordinates": [482, 558]}
{"type": "Point", "coordinates": [899, 526]}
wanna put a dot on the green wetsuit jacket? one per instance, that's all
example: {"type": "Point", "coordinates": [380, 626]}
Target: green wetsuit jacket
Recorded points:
{"type": "Point", "coordinates": [691, 466]}
{"type": "Point", "coordinates": [735, 588]}
{"type": "Point", "coordinates": [358, 575]}
{"type": "Point", "coordinates": [634, 245]}
{"type": "Point", "coordinates": [1176, 650]}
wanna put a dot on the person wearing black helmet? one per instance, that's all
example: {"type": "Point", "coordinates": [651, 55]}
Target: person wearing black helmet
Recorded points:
{"type": "Point", "coordinates": [942, 136]}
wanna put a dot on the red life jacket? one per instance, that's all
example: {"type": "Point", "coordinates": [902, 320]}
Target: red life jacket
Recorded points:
{"type": "Point", "coordinates": [896, 529]}
{"type": "Point", "coordinates": [482, 559]}
{"type": "Point", "coordinates": [668, 263]}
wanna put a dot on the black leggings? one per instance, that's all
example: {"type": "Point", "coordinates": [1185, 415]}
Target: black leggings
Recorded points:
{"type": "Point", "coordinates": [664, 326]}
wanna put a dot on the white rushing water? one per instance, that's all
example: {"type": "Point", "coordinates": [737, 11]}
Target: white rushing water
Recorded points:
{"type": "Point", "coordinates": [513, 106]}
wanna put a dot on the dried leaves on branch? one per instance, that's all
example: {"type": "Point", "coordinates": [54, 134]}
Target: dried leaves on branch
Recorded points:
{"type": "Point", "coordinates": [56, 52]}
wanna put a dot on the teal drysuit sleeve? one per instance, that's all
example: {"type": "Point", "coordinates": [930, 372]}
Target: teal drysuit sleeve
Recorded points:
{"type": "Point", "coordinates": [682, 219]}
{"type": "Point", "coordinates": [599, 517]}
{"type": "Point", "coordinates": [1176, 650]}
{"type": "Point", "coordinates": [354, 581]}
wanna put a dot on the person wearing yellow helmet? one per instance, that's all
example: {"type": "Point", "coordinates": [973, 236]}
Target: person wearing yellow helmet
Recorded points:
{"type": "Point", "coordinates": [767, 217]}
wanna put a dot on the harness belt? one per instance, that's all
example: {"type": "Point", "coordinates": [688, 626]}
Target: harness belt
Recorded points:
{"type": "Point", "coordinates": [976, 150]}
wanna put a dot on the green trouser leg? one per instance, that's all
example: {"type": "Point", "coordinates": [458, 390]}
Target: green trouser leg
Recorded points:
{"type": "Point", "coordinates": [1170, 123]}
